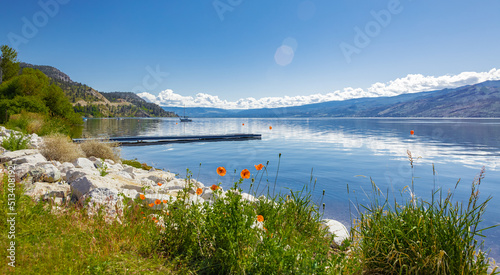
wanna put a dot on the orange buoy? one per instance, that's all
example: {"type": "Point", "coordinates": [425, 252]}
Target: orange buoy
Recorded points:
{"type": "Point", "coordinates": [243, 124]}
{"type": "Point", "coordinates": [270, 127]}
{"type": "Point", "coordinates": [412, 132]}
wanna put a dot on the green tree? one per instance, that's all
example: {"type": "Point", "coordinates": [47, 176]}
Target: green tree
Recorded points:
{"type": "Point", "coordinates": [9, 66]}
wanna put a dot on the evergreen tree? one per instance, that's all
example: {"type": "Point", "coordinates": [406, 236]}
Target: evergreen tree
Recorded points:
{"type": "Point", "coordinates": [9, 65]}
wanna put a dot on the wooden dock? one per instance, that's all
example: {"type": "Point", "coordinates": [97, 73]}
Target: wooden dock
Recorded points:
{"type": "Point", "coordinates": [140, 141]}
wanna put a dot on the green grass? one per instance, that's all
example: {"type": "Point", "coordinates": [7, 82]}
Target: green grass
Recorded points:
{"type": "Point", "coordinates": [420, 237]}
{"type": "Point", "coordinates": [16, 142]}
{"type": "Point", "coordinates": [69, 242]}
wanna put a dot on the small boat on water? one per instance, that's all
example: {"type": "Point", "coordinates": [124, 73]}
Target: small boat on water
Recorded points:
{"type": "Point", "coordinates": [184, 118]}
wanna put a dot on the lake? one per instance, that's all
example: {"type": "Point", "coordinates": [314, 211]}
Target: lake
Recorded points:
{"type": "Point", "coordinates": [336, 152]}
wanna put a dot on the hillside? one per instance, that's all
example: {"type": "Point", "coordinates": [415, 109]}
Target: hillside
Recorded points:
{"type": "Point", "coordinates": [90, 103]}
{"type": "Point", "coordinates": [479, 100]}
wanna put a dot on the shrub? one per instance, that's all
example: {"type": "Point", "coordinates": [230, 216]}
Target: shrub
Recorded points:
{"type": "Point", "coordinates": [60, 148]}
{"type": "Point", "coordinates": [419, 237]}
{"type": "Point", "coordinates": [136, 164]}
{"type": "Point", "coordinates": [101, 149]}
{"type": "Point", "coordinates": [16, 142]}
{"type": "Point", "coordinates": [237, 236]}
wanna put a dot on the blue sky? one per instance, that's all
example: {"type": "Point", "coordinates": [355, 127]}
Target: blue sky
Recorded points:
{"type": "Point", "coordinates": [245, 49]}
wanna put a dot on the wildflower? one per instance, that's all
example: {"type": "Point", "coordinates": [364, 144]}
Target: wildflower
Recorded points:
{"type": "Point", "coordinates": [221, 171]}
{"type": "Point", "coordinates": [245, 174]}
{"type": "Point", "coordinates": [142, 196]}
{"type": "Point", "coordinates": [199, 191]}
{"type": "Point", "coordinates": [165, 201]}
{"type": "Point", "coordinates": [142, 212]}
{"type": "Point", "coordinates": [260, 218]}
{"type": "Point", "coordinates": [160, 184]}
{"type": "Point", "coordinates": [151, 204]}
{"type": "Point", "coordinates": [259, 166]}
{"type": "Point", "coordinates": [144, 217]}
{"type": "Point", "coordinates": [214, 187]}
{"type": "Point", "coordinates": [156, 221]}
{"type": "Point", "coordinates": [157, 201]}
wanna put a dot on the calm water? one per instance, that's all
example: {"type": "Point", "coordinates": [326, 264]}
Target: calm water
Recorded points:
{"type": "Point", "coordinates": [339, 152]}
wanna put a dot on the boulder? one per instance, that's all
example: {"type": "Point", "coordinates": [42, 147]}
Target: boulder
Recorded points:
{"type": "Point", "coordinates": [64, 168]}
{"type": "Point", "coordinates": [106, 200]}
{"type": "Point", "coordinates": [50, 173]}
{"type": "Point", "coordinates": [23, 169]}
{"type": "Point", "coordinates": [337, 229]}
{"type": "Point", "coordinates": [32, 159]}
{"type": "Point", "coordinates": [73, 174]}
{"type": "Point", "coordinates": [84, 163]}
{"type": "Point", "coordinates": [42, 190]}
{"type": "Point", "coordinates": [8, 156]}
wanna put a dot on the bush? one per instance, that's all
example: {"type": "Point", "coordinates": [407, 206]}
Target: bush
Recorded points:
{"type": "Point", "coordinates": [101, 149]}
{"type": "Point", "coordinates": [60, 148]}
{"type": "Point", "coordinates": [16, 142]}
{"type": "Point", "coordinates": [136, 164]}
{"type": "Point", "coordinates": [420, 237]}
{"type": "Point", "coordinates": [237, 236]}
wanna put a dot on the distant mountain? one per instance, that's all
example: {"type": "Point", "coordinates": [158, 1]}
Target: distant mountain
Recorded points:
{"type": "Point", "coordinates": [479, 100]}
{"type": "Point", "coordinates": [91, 103]}
{"type": "Point", "coordinates": [146, 108]}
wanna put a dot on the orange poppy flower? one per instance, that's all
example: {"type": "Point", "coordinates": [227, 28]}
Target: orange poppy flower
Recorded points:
{"type": "Point", "coordinates": [156, 220]}
{"type": "Point", "coordinates": [142, 196]}
{"type": "Point", "coordinates": [260, 218]}
{"type": "Point", "coordinates": [214, 187]}
{"type": "Point", "coordinates": [259, 166]}
{"type": "Point", "coordinates": [245, 174]}
{"type": "Point", "coordinates": [168, 214]}
{"type": "Point", "coordinates": [151, 204]}
{"type": "Point", "coordinates": [142, 212]}
{"type": "Point", "coordinates": [157, 201]}
{"type": "Point", "coordinates": [221, 171]}
{"type": "Point", "coordinates": [270, 127]}
{"type": "Point", "coordinates": [160, 184]}
{"type": "Point", "coordinates": [165, 201]}
{"type": "Point", "coordinates": [199, 191]}
{"type": "Point", "coordinates": [144, 217]}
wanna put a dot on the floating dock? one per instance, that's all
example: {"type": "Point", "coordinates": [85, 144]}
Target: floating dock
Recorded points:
{"type": "Point", "coordinates": [140, 141]}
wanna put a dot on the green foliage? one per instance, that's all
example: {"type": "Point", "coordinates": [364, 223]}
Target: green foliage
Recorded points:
{"type": "Point", "coordinates": [419, 237]}
{"type": "Point", "coordinates": [32, 92]}
{"type": "Point", "coordinates": [14, 142]}
{"type": "Point", "coordinates": [226, 237]}
{"type": "Point", "coordinates": [70, 242]}
{"type": "Point", "coordinates": [9, 66]}
{"type": "Point", "coordinates": [137, 164]}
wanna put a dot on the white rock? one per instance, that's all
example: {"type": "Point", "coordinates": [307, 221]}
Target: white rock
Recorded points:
{"type": "Point", "coordinates": [50, 173]}
{"type": "Point", "coordinates": [84, 163]}
{"type": "Point", "coordinates": [73, 174]}
{"type": "Point", "coordinates": [22, 169]}
{"type": "Point", "coordinates": [64, 168]}
{"type": "Point", "coordinates": [133, 194]}
{"type": "Point", "coordinates": [33, 159]}
{"type": "Point", "coordinates": [8, 156]}
{"type": "Point", "coordinates": [337, 229]}
{"type": "Point", "coordinates": [48, 191]}
{"type": "Point", "coordinates": [248, 197]}
{"type": "Point", "coordinates": [106, 200]}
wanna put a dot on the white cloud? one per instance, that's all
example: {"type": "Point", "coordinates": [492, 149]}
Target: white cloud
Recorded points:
{"type": "Point", "coordinates": [412, 83]}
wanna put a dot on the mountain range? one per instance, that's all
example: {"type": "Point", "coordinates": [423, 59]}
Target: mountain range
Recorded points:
{"type": "Point", "coordinates": [479, 100]}
{"type": "Point", "coordinates": [91, 103]}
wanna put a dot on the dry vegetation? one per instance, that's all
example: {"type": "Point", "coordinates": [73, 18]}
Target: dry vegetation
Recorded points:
{"type": "Point", "coordinates": [60, 148]}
